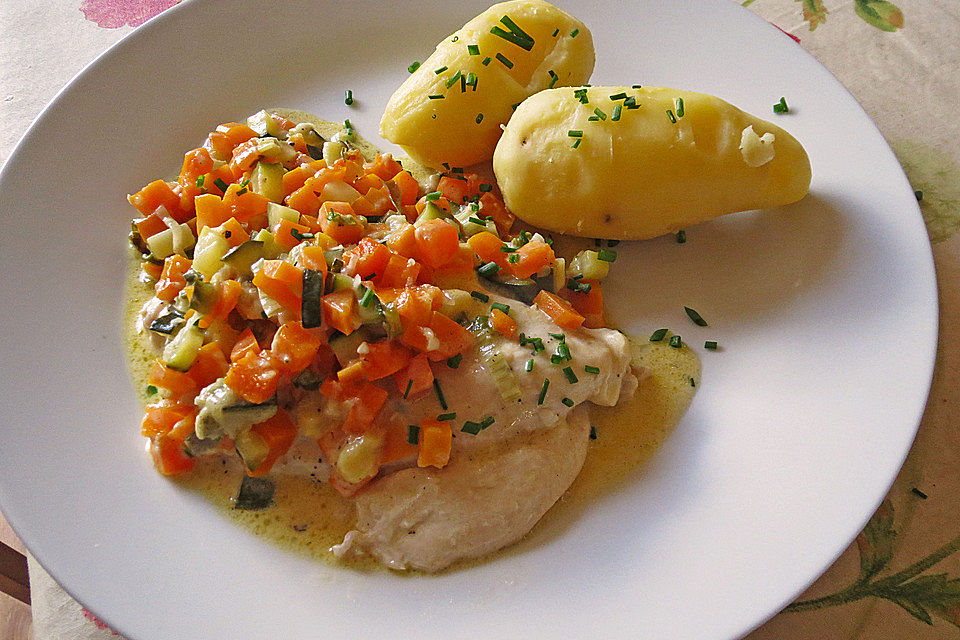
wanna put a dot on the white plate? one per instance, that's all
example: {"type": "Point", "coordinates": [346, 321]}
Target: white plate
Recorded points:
{"type": "Point", "coordinates": [826, 313]}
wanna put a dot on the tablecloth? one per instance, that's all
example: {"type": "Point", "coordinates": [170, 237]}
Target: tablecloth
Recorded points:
{"type": "Point", "coordinates": [901, 578]}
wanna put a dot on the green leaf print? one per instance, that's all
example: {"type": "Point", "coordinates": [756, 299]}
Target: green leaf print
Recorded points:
{"type": "Point", "coordinates": [814, 13]}
{"type": "Point", "coordinates": [880, 13]}
{"type": "Point", "coordinates": [876, 542]}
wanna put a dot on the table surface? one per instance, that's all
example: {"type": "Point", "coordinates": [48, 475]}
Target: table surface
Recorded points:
{"type": "Point", "coordinates": [900, 61]}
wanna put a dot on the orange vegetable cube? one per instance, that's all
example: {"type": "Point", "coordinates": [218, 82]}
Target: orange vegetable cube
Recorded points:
{"type": "Point", "coordinates": [294, 347]}
{"type": "Point", "coordinates": [559, 310]}
{"type": "Point", "coordinates": [254, 377]}
{"type": "Point", "coordinates": [436, 439]}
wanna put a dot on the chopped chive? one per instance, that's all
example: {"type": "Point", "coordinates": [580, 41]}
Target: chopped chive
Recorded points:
{"type": "Point", "coordinates": [221, 184]}
{"type": "Point", "coordinates": [473, 49]}
{"type": "Point", "coordinates": [486, 422]}
{"type": "Point", "coordinates": [607, 255]}
{"type": "Point", "coordinates": [454, 361]}
{"type": "Point", "coordinates": [482, 297]}
{"type": "Point", "coordinates": [636, 86]}
{"type": "Point", "coordinates": [681, 236]}
{"type": "Point", "coordinates": [919, 493]}
{"type": "Point", "coordinates": [456, 169]}
{"type": "Point", "coordinates": [575, 133]}
{"type": "Point", "coordinates": [616, 113]}
{"type": "Point", "coordinates": [555, 359]}
{"type": "Point", "coordinates": [446, 166]}
{"type": "Point", "coordinates": [555, 32]}
{"type": "Point", "coordinates": [471, 427]}
{"type": "Point", "coordinates": [479, 118]}
{"type": "Point", "coordinates": [413, 434]}
{"type": "Point", "coordinates": [591, 369]}
{"type": "Point", "coordinates": [678, 102]}
{"type": "Point", "coordinates": [593, 432]}
{"type": "Point", "coordinates": [441, 70]}
{"type": "Point", "coordinates": [570, 375]}
{"type": "Point", "coordinates": [301, 236]}
{"type": "Point", "coordinates": [506, 61]}
{"type": "Point", "coordinates": [580, 287]}
{"type": "Point", "coordinates": [152, 389]}
{"type": "Point", "coordinates": [439, 392]}
{"type": "Point", "coordinates": [600, 114]}
{"type": "Point", "coordinates": [670, 115]}
{"type": "Point", "coordinates": [710, 344]}
{"type": "Point", "coordinates": [630, 102]}
{"type": "Point", "coordinates": [568, 402]}
{"type": "Point", "coordinates": [543, 391]}
{"type": "Point", "coordinates": [453, 79]}
{"type": "Point", "coordinates": [513, 258]}
{"type": "Point", "coordinates": [242, 191]}
{"type": "Point", "coordinates": [658, 335]}
{"type": "Point", "coordinates": [917, 194]}
{"type": "Point", "coordinates": [676, 342]}
{"type": "Point", "coordinates": [486, 61]}
{"type": "Point", "coordinates": [348, 97]}
{"type": "Point", "coordinates": [433, 196]}
{"type": "Point", "coordinates": [612, 243]}
{"type": "Point", "coordinates": [488, 270]}
{"type": "Point", "coordinates": [562, 337]}
{"type": "Point", "coordinates": [781, 107]}
{"type": "Point", "coordinates": [693, 382]}
{"type": "Point", "coordinates": [593, 119]}
{"type": "Point", "coordinates": [485, 188]}
{"type": "Point", "coordinates": [409, 386]}
{"type": "Point", "coordinates": [576, 143]}
{"type": "Point", "coordinates": [696, 317]}
{"type": "Point", "coordinates": [581, 95]}
{"type": "Point", "coordinates": [564, 351]}
{"type": "Point", "coordinates": [502, 307]}
{"type": "Point", "coordinates": [573, 34]}
{"type": "Point", "coordinates": [200, 181]}
{"type": "Point", "coordinates": [619, 96]}
{"type": "Point", "coordinates": [368, 297]}
{"type": "Point", "coordinates": [436, 96]}
{"type": "Point", "coordinates": [472, 80]}
{"type": "Point", "coordinates": [529, 366]}
{"type": "Point", "coordinates": [413, 66]}
{"type": "Point", "coordinates": [445, 417]}
{"type": "Point", "coordinates": [553, 78]}
{"type": "Point", "coordinates": [474, 220]}
{"type": "Point", "coordinates": [516, 35]}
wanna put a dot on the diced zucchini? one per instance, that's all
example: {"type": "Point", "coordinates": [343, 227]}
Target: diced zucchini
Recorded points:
{"type": "Point", "coordinates": [267, 180]}
{"type": "Point", "coordinates": [458, 303]}
{"type": "Point", "coordinates": [183, 238]}
{"type": "Point", "coordinates": [180, 352]}
{"type": "Point", "coordinates": [559, 274]}
{"type": "Point", "coordinates": [242, 256]}
{"type": "Point", "coordinates": [430, 212]}
{"type": "Point", "coordinates": [209, 252]}
{"type": "Point", "coordinates": [273, 150]}
{"type": "Point", "coordinates": [359, 458]}
{"type": "Point", "coordinates": [523, 290]}
{"type": "Point", "coordinates": [277, 212]}
{"type": "Point", "coordinates": [168, 323]}
{"type": "Point", "coordinates": [255, 494]}
{"type": "Point", "coordinates": [311, 310]}
{"type": "Point", "coordinates": [339, 282]}
{"type": "Point", "coordinates": [345, 347]}
{"type": "Point", "coordinates": [368, 306]}
{"type": "Point", "coordinates": [391, 320]}
{"type": "Point", "coordinates": [196, 447]}
{"type": "Point", "coordinates": [588, 265]}
{"type": "Point", "coordinates": [271, 248]}
{"type": "Point", "coordinates": [265, 125]}
{"type": "Point", "coordinates": [493, 360]}
{"type": "Point", "coordinates": [307, 380]}
{"type": "Point", "coordinates": [339, 191]}
{"type": "Point", "coordinates": [332, 151]}
{"type": "Point", "coordinates": [161, 244]}
{"type": "Point", "coordinates": [331, 257]}
{"type": "Point", "coordinates": [204, 298]}
{"type": "Point", "coordinates": [253, 449]}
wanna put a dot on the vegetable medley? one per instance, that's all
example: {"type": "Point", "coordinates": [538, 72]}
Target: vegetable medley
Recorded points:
{"type": "Point", "coordinates": [288, 266]}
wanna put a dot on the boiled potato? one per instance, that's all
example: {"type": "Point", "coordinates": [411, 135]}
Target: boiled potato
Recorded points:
{"type": "Point", "coordinates": [655, 169]}
{"type": "Point", "coordinates": [462, 127]}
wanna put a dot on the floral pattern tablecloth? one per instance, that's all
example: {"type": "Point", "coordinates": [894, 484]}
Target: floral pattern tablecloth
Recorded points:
{"type": "Point", "coordinates": [901, 579]}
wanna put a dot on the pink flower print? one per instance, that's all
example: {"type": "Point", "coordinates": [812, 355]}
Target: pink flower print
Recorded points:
{"type": "Point", "coordinates": [112, 14]}
{"type": "Point", "coordinates": [97, 622]}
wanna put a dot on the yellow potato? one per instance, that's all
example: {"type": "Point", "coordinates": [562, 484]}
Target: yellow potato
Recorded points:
{"type": "Point", "coordinates": [463, 126]}
{"type": "Point", "coordinates": [642, 175]}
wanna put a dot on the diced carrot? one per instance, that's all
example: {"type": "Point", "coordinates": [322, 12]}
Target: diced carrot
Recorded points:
{"type": "Point", "coordinates": [169, 457]}
{"type": "Point", "coordinates": [380, 201]}
{"type": "Point", "coordinates": [150, 225]}
{"type": "Point", "coordinates": [227, 136]}
{"type": "Point", "coordinates": [408, 186]}
{"type": "Point", "coordinates": [195, 164]}
{"type": "Point", "coordinates": [385, 166]}
{"type": "Point", "coordinates": [304, 200]}
{"type": "Point", "coordinates": [179, 384]}
{"type": "Point", "coordinates": [453, 338]}
{"type": "Point", "coordinates": [157, 193]}
{"type": "Point", "coordinates": [161, 417]}
{"type": "Point", "coordinates": [254, 377]}
{"type": "Point", "coordinates": [366, 182]}
{"type": "Point", "coordinates": [459, 189]}
{"type": "Point", "coordinates": [395, 444]}
{"type": "Point", "coordinates": [384, 358]}
{"type": "Point", "coordinates": [234, 232]}
{"type": "Point", "coordinates": [228, 293]}
{"type": "Point", "coordinates": [416, 305]}
{"type": "Point", "coordinates": [246, 343]}
{"type": "Point", "coordinates": [339, 222]}
{"type": "Point", "coordinates": [369, 400]}
{"type": "Point", "coordinates": [294, 179]}
{"type": "Point", "coordinates": [338, 311]}
{"type": "Point", "coordinates": [171, 280]}
{"type": "Point", "coordinates": [589, 305]}
{"type": "Point", "coordinates": [437, 242]}
{"type": "Point", "coordinates": [487, 246]}
{"type": "Point", "coordinates": [503, 323]}
{"type": "Point", "coordinates": [367, 258]}
{"type": "Point", "coordinates": [284, 234]}
{"type": "Point", "coordinates": [278, 433]}
{"type": "Point", "coordinates": [410, 212]}
{"type": "Point", "coordinates": [531, 258]}
{"type": "Point", "coordinates": [281, 281]}
{"type": "Point", "coordinates": [436, 439]}
{"type": "Point", "coordinates": [244, 155]}
{"type": "Point", "coordinates": [243, 204]}
{"type": "Point", "coordinates": [210, 210]}
{"type": "Point", "coordinates": [559, 310]}
{"type": "Point", "coordinates": [152, 270]}
{"type": "Point", "coordinates": [351, 373]}
{"type": "Point", "coordinates": [222, 174]}
{"type": "Point", "coordinates": [295, 347]}
{"type": "Point", "coordinates": [313, 258]}
{"type": "Point", "coordinates": [417, 375]}
{"type": "Point", "coordinates": [404, 241]}
{"type": "Point", "coordinates": [463, 261]}
{"type": "Point", "coordinates": [209, 366]}
{"type": "Point", "coordinates": [492, 207]}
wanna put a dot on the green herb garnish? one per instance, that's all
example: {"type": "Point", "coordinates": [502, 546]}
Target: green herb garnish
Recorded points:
{"type": "Point", "coordinates": [676, 342]}
{"type": "Point", "coordinates": [678, 103]}
{"type": "Point", "coordinates": [200, 181]}
{"type": "Point", "coordinates": [413, 66]}
{"type": "Point", "coordinates": [553, 78]}
{"type": "Point", "coordinates": [543, 391]}
{"type": "Point", "coordinates": [710, 344]}
{"type": "Point", "coordinates": [482, 297]}
{"type": "Point", "coordinates": [681, 236]}
{"type": "Point", "coordinates": [516, 35]}
{"type": "Point", "coordinates": [616, 113]}
{"type": "Point", "coordinates": [575, 133]}
{"type": "Point", "coordinates": [452, 80]}
{"type": "Point", "coordinates": [488, 270]}
{"type": "Point", "coordinates": [413, 434]}
{"type": "Point", "coordinates": [607, 255]}
{"type": "Point", "coordinates": [573, 34]}
{"type": "Point", "coordinates": [672, 117]}
{"type": "Point", "coordinates": [502, 307]}
{"type": "Point", "coordinates": [600, 114]}
{"type": "Point", "coordinates": [506, 61]}
{"type": "Point", "coordinates": [570, 375]}
{"type": "Point", "coordinates": [446, 417]}
{"type": "Point", "coordinates": [591, 369]}
{"type": "Point", "coordinates": [781, 107]}
{"type": "Point", "coordinates": [439, 392]}
{"type": "Point", "coordinates": [454, 361]}
{"type": "Point", "coordinates": [593, 432]}
{"type": "Point", "coordinates": [485, 188]}
{"type": "Point", "coordinates": [221, 184]}
{"type": "Point", "coordinates": [409, 386]}
{"type": "Point", "coordinates": [436, 96]}
{"type": "Point", "coordinates": [529, 365]}
{"type": "Point", "coordinates": [479, 118]}
{"type": "Point", "coordinates": [473, 50]}
{"type": "Point", "coordinates": [433, 196]}
{"type": "Point", "coordinates": [348, 97]}
{"type": "Point", "coordinates": [152, 389]}
{"type": "Point", "coordinates": [441, 70]}
{"type": "Point", "coordinates": [473, 428]}
{"type": "Point", "coordinates": [658, 335]}
{"type": "Point", "coordinates": [696, 317]}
